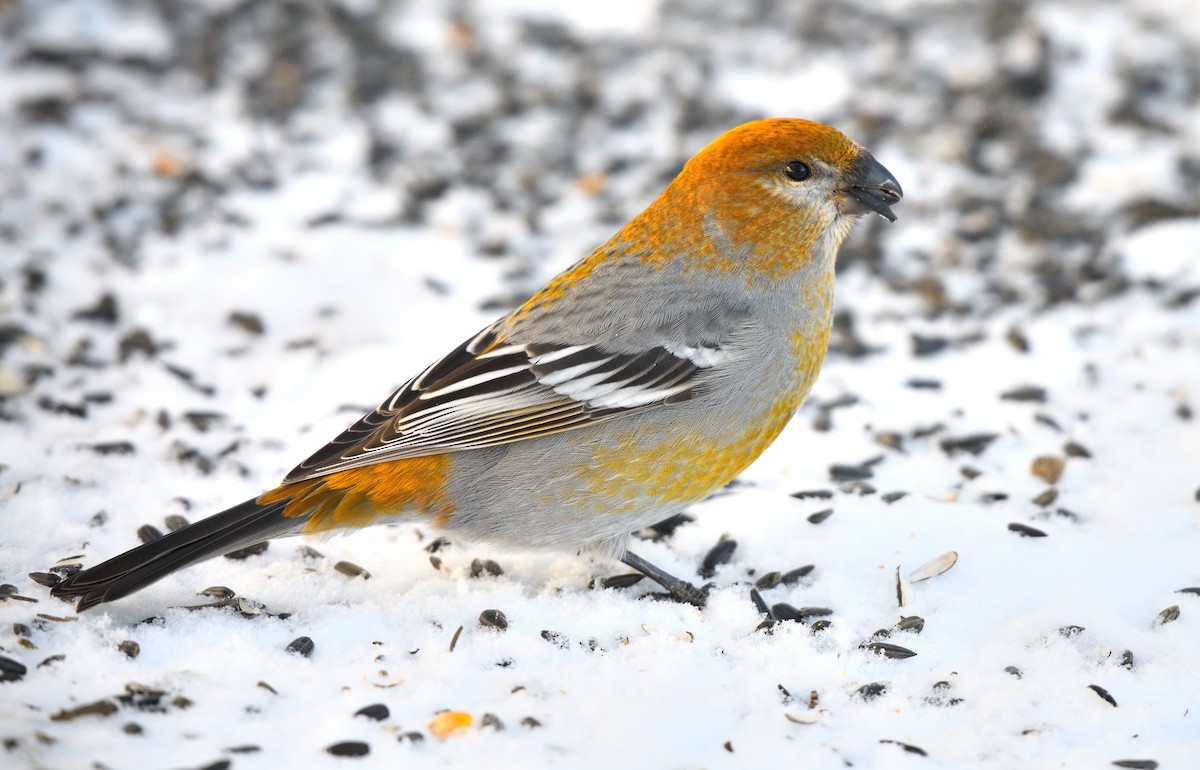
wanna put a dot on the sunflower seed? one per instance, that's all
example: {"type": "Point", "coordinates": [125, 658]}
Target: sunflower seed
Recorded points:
{"type": "Point", "coordinates": [794, 576]}
{"type": "Point", "coordinates": [11, 670]}
{"type": "Point", "coordinates": [376, 711]}
{"type": "Point", "coordinates": [872, 690]}
{"type": "Point", "coordinates": [768, 581]}
{"type": "Point", "coordinates": [351, 569]}
{"type": "Point", "coordinates": [907, 747]}
{"type": "Point", "coordinates": [349, 749]}
{"type": "Point", "coordinates": [493, 619]}
{"type": "Point", "coordinates": [934, 567]}
{"type": "Point", "coordinates": [622, 581]}
{"type": "Point", "coordinates": [175, 522]}
{"type": "Point", "coordinates": [481, 567]}
{"type": "Point", "coordinates": [492, 721]}
{"type": "Point", "coordinates": [820, 516]}
{"type": "Point", "coordinates": [130, 648]}
{"type": "Point", "coordinates": [1103, 693]}
{"type": "Point", "coordinates": [148, 533]}
{"type": "Point", "coordinates": [1127, 659]}
{"type": "Point", "coordinates": [1137, 764]}
{"type": "Point", "coordinates": [1168, 615]}
{"type": "Point", "coordinates": [1024, 530]}
{"type": "Point", "coordinates": [1071, 631]}
{"type": "Point", "coordinates": [1014, 671]}
{"type": "Point", "coordinates": [48, 579]}
{"type": "Point", "coordinates": [302, 646]}
{"type": "Point", "coordinates": [912, 623]}
{"type": "Point", "coordinates": [893, 651]}
{"type": "Point", "coordinates": [1046, 498]}
{"type": "Point", "coordinates": [719, 554]}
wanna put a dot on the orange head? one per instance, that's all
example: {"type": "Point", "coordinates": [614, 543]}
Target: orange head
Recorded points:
{"type": "Point", "coordinates": [767, 196]}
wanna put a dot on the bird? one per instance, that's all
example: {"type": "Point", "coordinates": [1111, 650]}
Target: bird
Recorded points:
{"type": "Point", "coordinates": [637, 382]}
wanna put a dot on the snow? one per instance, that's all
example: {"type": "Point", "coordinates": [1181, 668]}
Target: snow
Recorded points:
{"type": "Point", "coordinates": [1048, 240]}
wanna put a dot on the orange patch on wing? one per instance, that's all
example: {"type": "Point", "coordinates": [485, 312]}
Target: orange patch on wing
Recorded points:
{"type": "Point", "coordinates": [360, 496]}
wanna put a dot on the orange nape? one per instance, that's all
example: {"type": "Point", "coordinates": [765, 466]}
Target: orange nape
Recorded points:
{"type": "Point", "coordinates": [360, 496]}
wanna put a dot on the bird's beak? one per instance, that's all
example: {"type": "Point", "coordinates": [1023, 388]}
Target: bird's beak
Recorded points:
{"type": "Point", "coordinates": [870, 187]}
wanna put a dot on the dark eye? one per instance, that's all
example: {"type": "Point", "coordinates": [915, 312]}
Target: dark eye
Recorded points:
{"type": "Point", "coordinates": [797, 170]}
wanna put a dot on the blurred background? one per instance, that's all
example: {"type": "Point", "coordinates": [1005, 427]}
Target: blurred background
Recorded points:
{"type": "Point", "coordinates": [1029, 136]}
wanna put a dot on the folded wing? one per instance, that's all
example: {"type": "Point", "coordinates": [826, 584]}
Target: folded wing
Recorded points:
{"type": "Point", "coordinates": [486, 393]}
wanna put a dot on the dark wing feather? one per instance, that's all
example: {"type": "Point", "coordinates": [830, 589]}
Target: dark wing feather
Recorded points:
{"type": "Point", "coordinates": [486, 393]}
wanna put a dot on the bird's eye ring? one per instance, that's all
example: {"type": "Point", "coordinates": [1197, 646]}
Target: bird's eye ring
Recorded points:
{"type": "Point", "coordinates": [797, 170]}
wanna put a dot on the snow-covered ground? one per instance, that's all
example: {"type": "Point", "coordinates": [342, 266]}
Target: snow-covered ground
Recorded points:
{"type": "Point", "coordinates": [228, 228]}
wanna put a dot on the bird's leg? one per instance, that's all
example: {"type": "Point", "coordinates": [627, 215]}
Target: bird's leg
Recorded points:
{"type": "Point", "coordinates": [679, 590]}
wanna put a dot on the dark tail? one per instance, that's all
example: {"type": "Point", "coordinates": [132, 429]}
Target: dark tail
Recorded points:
{"type": "Point", "coordinates": [240, 526]}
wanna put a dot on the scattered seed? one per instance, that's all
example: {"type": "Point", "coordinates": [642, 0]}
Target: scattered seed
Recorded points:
{"type": "Point", "coordinates": [555, 638]}
{"type": "Point", "coordinates": [376, 711]}
{"type": "Point", "coordinates": [1075, 449]}
{"type": "Point", "coordinates": [218, 592]}
{"type": "Point", "coordinates": [493, 619]}
{"type": "Point", "coordinates": [454, 639]}
{"type": "Point", "coordinates": [248, 748]}
{"type": "Point", "coordinates": [351, 569]}
{"type": "Point", "coordinates": [872, 690]}
{"type": "Point", "coordinates": [820, 516]}
{"type": "Point", "coordinates": [902, 596]}
{"type": "Point", "coordinates": [969, 473]}
{"type": "Point", "coordinates": [492, 721]}
{"type": "Point", "coordinates": [308, 552]}
{"type": "Point", "coordinates": [891, 440]}
{"type": "Point", "coordinates": [809, 717]}
{"type": "Point", "coordinates": [1168, 615]}
{"type": "Point", "coordinates": [100, 708]}
{"type": "Point", "coordinates": [893, 651]}
{"type": "Point", "coordinates": [1025, 530]}
{"type": "Point", "coordinates": [1071, 631]}
{"type": "Point", "coordinates": [719, 554]}
{"type": "Point", "coordinates": [246, 321]}
{"type": "Point", "coordinates": [1103, 693]}
{"type": "Point", "coordinates": [302, 646]}
{"type": "Point", "coordinates": [1017, 339]}
{"type": "Point", "coordinates": [250, 550]}
{"type": "Point", "coordinates": [1189, 590]}
{"type": "Point", "coordinates": [437, 544]}
{"type": "Point", "coordinates": [450, 723]}
{"type": "Point", "coordinates": [794, 576]}
{"type": "Point", "coordinates": [148, 533]}
{"type": "Point", "coordinates": [1046, 498]}
{"type": "Point", "coordinates": [48, 579]}
{"type": "Point", "coordinates": [728, 746]}
{"type": "Point", "coordinates": [1014, 671]}
{"type": "Point", "coordinates": [913, 623]}
{"type": "Point", "coordinates": [859, 472]}
{"type": "Point", "coordinates": [892, 497]}
{"type": "Point", "coordinates": [934, 567]}
{"type": "Point", "coordinates": [56, 618]}
{"type": "Point", "coordinates": [130, 648]}
{"type": "Point", "coordinates": [1025, 393]}
{"type": "Point", "coordinates": [413, 737]}
{"type": "Point", "coordinates": [481, 567]}
{"type": "Point", "coordinates": [622, 581]}
{"type": "Point", "coordinates": [973, 444]}
{"type": "Point", "coordinates": [349, 749]}
{"type": "Point", "coordinates": [666, 528]}
{"type": "Point", "coordinates": [785, 611]}
{"type": "Point", "coordinates": [1137, 764]}
{"type": "Point", "coordinates": [820, 625]}
{"type": "Point", "coordinates": [1127, 659]}
{"type": "Point", "coordinates": [530, 722]}
{"type": "Point", "coordinates": [907, 747]}
{"type": "Point", "coordinates": [768, 581]}
{"type": "Point", "coordinates": [175, 522]}
{"type": "Point", "coordinates": [11, 670]}
{"type": "Point", "coordinates": [994, 497]}
{"type": "Point", "coordinates": [760, 604]}
{"type": "Point", "coordinates": [816, 494]}
{"type": "Point", "coordinates": [1049, 468]}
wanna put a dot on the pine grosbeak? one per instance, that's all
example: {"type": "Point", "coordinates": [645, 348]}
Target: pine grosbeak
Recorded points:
{"type": "Point", "coordinates": [635, 383]}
